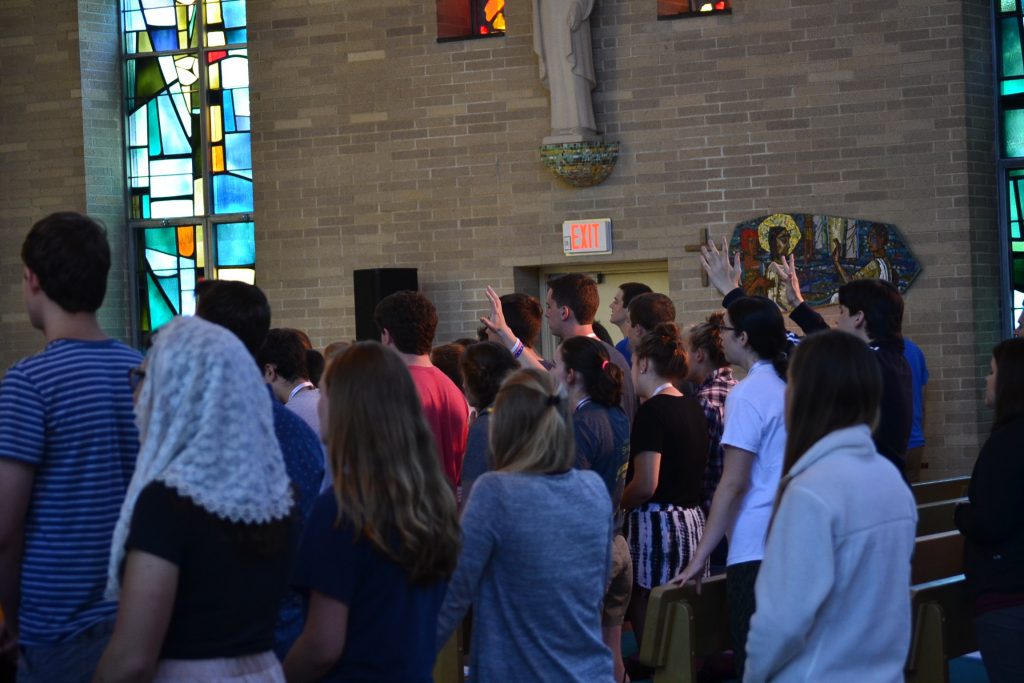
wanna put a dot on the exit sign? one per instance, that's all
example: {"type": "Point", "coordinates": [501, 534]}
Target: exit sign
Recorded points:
{"type": "Point", "coordinates": [593, 236]}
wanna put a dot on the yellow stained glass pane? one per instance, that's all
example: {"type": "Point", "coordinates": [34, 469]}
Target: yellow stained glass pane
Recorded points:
{"type": "Point", "coordinates": [183, 40]}
{"type": "Point", "coordinates": [499, 23]}
{"type": "Point", "coordinates": [218, 158]}
{"type": "Point", "coordinates": [197, 207]}
{"type": "Point", "coordinates": [216, 132]}
{"type": "Point", "coordinates": [200, 249]}
{"type": "Point", "coordinates": [214, 76]}
{"type": "Point", "coordinates": [182, 18]}
{"type": "Point", "coordinates": [186, 241]}
{"type": "Point", "coordinates": [247, 275]}
{"type": "Point", "coordinates": [145, 44]}
{"type": "Point", "coordinates": [213, 15]}
{"type": "Point", "coordinates": [215, 39]}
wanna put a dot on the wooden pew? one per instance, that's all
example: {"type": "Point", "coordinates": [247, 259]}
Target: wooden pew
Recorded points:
{"type": "Point", "coordinates": [942, 629]}
{"type": "Point", "coordinates": [940, 489]}
{"type": "Point", "coordinates": [937, 556]}
{"type": "Point", "coordinates": [682, 626]}
{"type": "Point", "coordinates": [935, 518]}
{"type": "Point", "coordinates": [448, 666]}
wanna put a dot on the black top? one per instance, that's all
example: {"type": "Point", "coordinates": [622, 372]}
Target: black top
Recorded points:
{"type": "Point", "coordinates": [674, 426]}
{"type": "Point", "coordinates": [993, 521]}
{"type": "Point", "coordinates": [392, 624]}
{"type": "Point", "coordinates": [230, 584]}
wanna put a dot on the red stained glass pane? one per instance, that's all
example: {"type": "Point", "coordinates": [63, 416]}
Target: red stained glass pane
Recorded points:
{"type": "Point", "coordinates": [216, 56]}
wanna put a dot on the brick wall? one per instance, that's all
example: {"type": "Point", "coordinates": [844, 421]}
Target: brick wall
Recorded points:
{"type": "Point", "coordinates": [46, 145]}
{"type": "Point", "coordinates": [376, 146]}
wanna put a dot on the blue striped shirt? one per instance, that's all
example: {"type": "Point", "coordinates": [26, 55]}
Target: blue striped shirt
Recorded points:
{"type": "Point", "coordinates": [68, 413]}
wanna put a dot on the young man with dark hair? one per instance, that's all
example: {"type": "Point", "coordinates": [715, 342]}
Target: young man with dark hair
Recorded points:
{"type": "Point", "coordinates": [244, 310]}
{"type": "Point", "coordinates": [869, 309]}
{"type": "Point", "coordinates": [282, 357]}
{"type": "Point", "coordinates": [570, 305]}
{"type": "Point", "coordinates": [407, 322]}
{"type": "Point", "coordinates": [645, 313]}
{"type": "Point", "coordinates": [619, 307]}
{"type": "Point", "coordinates": [524, 315]}
{"type": "Point", "coordinates": [67, 452]}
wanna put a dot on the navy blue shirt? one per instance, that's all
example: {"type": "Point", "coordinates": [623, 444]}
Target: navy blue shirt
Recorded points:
{"type": "Point", "coordinates": [392, 624]}
{"type": "Point", "coordinates": [602, 445]}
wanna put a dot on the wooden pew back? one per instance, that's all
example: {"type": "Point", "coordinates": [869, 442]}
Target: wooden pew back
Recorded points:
{"type": "Point", "coordinates": [942, 629]}
{"type": "Point", "coordinates": [937, 556]}
{"type": "Point", "coordinates": [935, 518]}
{"type": "Point", "coordinates": [682, 626]}
{"type": "Point", "coordinates": [940, 489]}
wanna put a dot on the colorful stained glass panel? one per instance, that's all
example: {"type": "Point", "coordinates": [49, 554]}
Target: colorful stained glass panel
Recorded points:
{"type": "Point", "coordinates": [158, 25]}
{"type": "Point", "coordinates": [236, 244]}
{"type": "Point", "coordinates": [169, 270]}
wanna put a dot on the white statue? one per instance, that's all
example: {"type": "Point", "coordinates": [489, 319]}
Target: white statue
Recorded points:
{"type": "Point", "coordinates": [561, 39]}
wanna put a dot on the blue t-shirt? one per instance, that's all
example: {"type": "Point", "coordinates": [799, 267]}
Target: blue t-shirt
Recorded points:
{"type": "Point", "coordinates": [392, 624]}
{"type": "Point", "coordinates": [67, 412]}
{"type": "Point", "coordinates": [602, 445]}
{"type": "Point", "coordinates": [919, 376]}
{"type": "Point", "coordinates": [304, 462]}
{"type": "Point", "coordinates": [623, 348]}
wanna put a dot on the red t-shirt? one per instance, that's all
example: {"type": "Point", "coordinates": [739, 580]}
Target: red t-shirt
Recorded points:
{"type": "Point", "coordinates": [447, 413]}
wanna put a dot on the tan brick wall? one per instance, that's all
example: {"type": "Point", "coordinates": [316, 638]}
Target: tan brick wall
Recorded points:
{"type": "Point", "coordinates": [46, 144]}
{"type": "Point", "coordinates": [376, 146]}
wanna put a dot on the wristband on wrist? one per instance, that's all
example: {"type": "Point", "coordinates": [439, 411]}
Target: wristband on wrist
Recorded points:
{"type": "Point", "coordinates": [517, 348]}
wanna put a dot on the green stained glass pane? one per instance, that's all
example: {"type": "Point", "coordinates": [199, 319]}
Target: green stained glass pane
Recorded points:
{"type": "Point", "coordinates": [1012, 194]}
{"type": "Point", "coordinates": [1012, 87]}
{"type": "Point", "coordinates": [1015, 230]}
{"type": "Point", "coordinates": [1018, 273]}
{"type": "Point", "coordinates": [172, 290]}
{"type": "Point", "coordinates": [145, 83]}
{"type": "Point", "coordinates": [236, 244]}
{"type": "Point", "coordinates": [1007, 5]}
{"type": "Point", "coordinates": [1012, 63]}
{"type": "Point", "coordinates": [1018, 247]}
{"type": "Point", "coordinates": [162, 239]}
{"type": "Point", "coordinates": [154, 129]}
{"type": "Point", "coordinates": [160, 312]}
{"type": "Point", "coordinates": [1013, 133]}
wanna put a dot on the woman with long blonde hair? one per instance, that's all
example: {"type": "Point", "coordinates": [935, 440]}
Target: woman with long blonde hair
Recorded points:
{"type": "Point", "coordinates": [379, 547]}
{"type": "Point", "coordinates": [536, 548]}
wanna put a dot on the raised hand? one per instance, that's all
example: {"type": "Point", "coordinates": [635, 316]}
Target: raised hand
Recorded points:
{"type": "Point", "coordinates": [496, 322]}
{"type": "Point", "coordinates": [787, 273]}
{"type": "Point", "coordinates": [722, 273]}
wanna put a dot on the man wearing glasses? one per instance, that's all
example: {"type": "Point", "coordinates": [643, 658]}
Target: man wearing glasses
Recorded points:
{"type": "Point", "coordinates": [68, 444]}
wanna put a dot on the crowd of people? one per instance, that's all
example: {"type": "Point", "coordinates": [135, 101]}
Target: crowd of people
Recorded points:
{"type": "Point", "coordinates": [235, 505]}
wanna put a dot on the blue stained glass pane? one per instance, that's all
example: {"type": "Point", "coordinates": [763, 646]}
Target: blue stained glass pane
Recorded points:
{"type": "Point", "coordinates": [159, 312]}
{"type": "Point", "coordinates": [1013, 201]}
{"type": "Point", "coordinates": [238, 151]}
{"type": "Point", "coordinates": [236, 36]}
{"type": "Point", "coordinates": [140, 167]}
{"type": "Point", "coordinates": [231, 194]}
{"type": "Point", "coordinates": [160, 263]}
{"type": "Point", "coordinates": [164, 39]}
{"type": "Point", "coordinates": [162, 239]}
{"type": "Point", "coordinates": [174, 138]}
{"type": "Point", "coordinates": [1012, 63]}
{"type": "Point", "coordinates": [1013, 133]}
{"type": "Point", "coordinates": [138, 128]}
{"type": "Point", "coordinates": [234, 13]}
{"type": "Point", "coordinates": [188, 279]}
{"type": "Point", "coordinates": [1007, 5]}
{"type": "Point", "coordinates": [242, 122]}
{"type": "Point", "coordinates": [145, 206]}
{"type": "Point", "coordinates": [236, 244]}
{"type": "Point", "coordinates": [154, 129]}
{"type": "Point", "coordinates": [1015, 230]}
{"type": "Point", "coordinates": [229, 111]}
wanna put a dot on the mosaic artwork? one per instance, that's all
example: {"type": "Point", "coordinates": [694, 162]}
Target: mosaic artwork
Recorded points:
{"type": "Point", "coordinates": [829, 251]}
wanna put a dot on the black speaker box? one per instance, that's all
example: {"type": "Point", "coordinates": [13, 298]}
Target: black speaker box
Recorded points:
{"type": "Point", "coordinates": [372, 285]}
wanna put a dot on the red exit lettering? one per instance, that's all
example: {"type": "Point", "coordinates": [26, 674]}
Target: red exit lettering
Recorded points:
{"type": "Point", "coordinates": [584, 236]}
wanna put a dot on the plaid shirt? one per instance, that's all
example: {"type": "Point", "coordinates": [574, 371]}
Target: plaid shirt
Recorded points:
{"type": "Point", "coordinates": [711, 395]}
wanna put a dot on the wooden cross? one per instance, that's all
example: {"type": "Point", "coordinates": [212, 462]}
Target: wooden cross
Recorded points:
{"type": "Point", "coordinates": [691, 248]}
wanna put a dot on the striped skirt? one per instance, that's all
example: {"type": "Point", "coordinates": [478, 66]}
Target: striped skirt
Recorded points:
{"type": "Point", "coordinates": [662, 539]}
{"type": "Point", "coordinates": [261, 668]}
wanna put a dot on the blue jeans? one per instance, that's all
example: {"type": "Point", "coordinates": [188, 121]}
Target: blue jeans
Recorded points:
{"type": "Point", "coordinates": [1001, 641]}
{"type": "Point", "coordinates": [72, 661]}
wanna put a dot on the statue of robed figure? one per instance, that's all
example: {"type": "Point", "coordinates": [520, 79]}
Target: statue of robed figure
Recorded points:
{"type": "Point", "coordinates": [561, 39]}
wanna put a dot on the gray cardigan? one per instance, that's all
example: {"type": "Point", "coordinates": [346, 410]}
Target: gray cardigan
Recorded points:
{"type": "Point", "coordinates": [534, 564]}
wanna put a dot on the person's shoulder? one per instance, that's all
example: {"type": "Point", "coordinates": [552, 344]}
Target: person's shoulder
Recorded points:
{"type": "Point", "coordinates": [615, 356]}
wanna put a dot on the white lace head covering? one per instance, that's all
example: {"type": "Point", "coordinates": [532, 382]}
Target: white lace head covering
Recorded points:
{"type": "Point", "coordinates": [206, 430]}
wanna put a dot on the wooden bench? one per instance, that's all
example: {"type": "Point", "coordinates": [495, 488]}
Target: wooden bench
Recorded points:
{"type": "Point", "coordinates": [935, 518]}
{"type": "Point", "coordinates": [448, 666]}
{"type": "Point", "coordinates": [937, 556]}
{"type": "Point", "coordinates": [940, 489]}
{"type": "Point", "coordinates": [942, 629]}
{"type": "Point", "coordinates": [682, 626]}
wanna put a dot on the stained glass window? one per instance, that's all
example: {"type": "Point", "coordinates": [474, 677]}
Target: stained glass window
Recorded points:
{"type": "Point", "coordinates": [460, 19]}
{"type": "Point", "coordinates": [673, 9]}
{"type": "Point", "coordinates": [189, 152]}
{"type": "Point", "coordinates": [1010, 76]}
